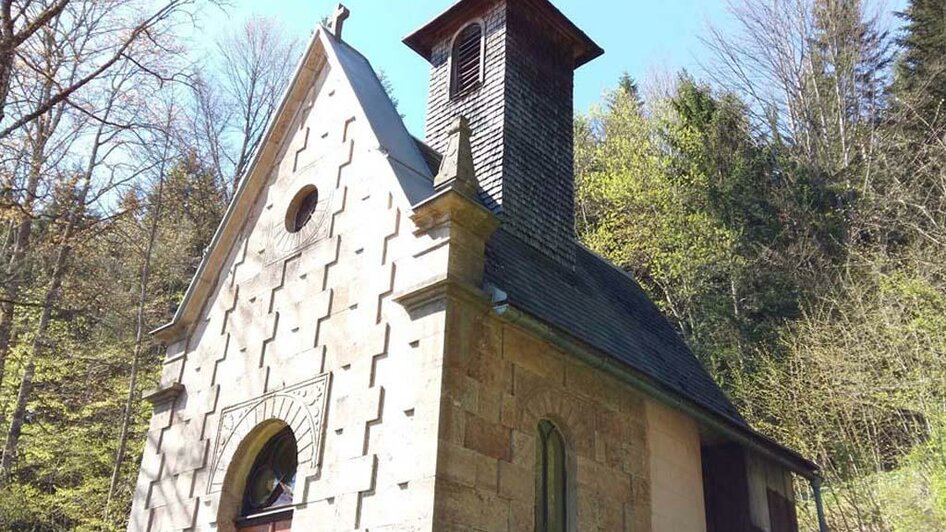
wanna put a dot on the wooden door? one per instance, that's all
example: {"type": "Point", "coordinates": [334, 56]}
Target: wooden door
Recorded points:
{"type": "Point", "coordinates": [282, 525]}
{"type": "Point", "coordinates": [274, 524]}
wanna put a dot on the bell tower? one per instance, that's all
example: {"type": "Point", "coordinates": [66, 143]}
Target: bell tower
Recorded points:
{"type": "Point", "coordinates": [508, 67]}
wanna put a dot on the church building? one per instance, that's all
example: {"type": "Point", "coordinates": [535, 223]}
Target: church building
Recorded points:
{"type": "Point", "coordinates": [394, 334]}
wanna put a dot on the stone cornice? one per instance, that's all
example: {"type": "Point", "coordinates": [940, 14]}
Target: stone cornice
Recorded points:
{"type": "Point", "coordinates": [452, 206]}
{"type": "Point", "coordinates": [437, 288]}
{"type": "Point", "coordinates": [165, 394]}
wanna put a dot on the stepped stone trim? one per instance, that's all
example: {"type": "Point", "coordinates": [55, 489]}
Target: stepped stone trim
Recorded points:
{"type": "Point", "coordinates": [302, 407]}
{"type": "Point", "coordinates": [167, 394]}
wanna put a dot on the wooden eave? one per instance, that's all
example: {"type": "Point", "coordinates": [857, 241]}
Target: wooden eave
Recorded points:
{"type": "Point", "coordinates": [423, 40]}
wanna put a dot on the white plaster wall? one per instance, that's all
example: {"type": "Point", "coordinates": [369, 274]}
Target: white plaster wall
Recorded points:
{"type": "Point", "coordinates": [675, 471]}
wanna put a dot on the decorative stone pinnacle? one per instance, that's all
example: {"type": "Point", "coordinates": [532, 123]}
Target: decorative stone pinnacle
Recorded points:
{"type": "Point", "coordinates": [338, 20]}
{"type": "Point", "coordinates": [456, 168]}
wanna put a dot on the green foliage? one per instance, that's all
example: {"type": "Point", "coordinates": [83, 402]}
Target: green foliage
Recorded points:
{"type": "Point", "coordinates": [681, 194]}
{"type": "Point", "coordinates": [809, 280]}
{"type": "Point", "coordinates": [921, 71]}
{"type": "Point", "coordinates": [67, 452]}
{"type": "Point", "coordinates": [794, 231]}
{"type": "Point", "coordinates": [915, 494]}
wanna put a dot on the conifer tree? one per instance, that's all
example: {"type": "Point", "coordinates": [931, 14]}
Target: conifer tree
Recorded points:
{"type": "Point", "coordinates": [921, 71]}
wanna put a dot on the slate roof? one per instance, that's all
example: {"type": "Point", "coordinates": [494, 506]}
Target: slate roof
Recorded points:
{"type": "Point", "coordinates": [409, 164]}
{"type": "Point", "coordinates": [605, 308]}
{"type": "Point", "coordinates": [602, 306]}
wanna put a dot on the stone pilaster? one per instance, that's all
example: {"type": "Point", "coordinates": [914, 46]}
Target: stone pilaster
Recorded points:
{"type": "Point", "coordinates": [455, 225]}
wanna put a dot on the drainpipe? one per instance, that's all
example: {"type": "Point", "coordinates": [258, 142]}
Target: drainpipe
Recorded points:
{"type": "Point", "coordinates": [819, 504]}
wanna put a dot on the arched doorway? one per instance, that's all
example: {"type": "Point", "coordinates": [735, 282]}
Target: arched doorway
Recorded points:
{"type": "Point", "coordinates": [268, 492]}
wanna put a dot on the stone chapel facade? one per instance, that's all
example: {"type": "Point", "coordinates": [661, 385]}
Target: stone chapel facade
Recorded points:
{"type": "Point", "coordinates": [389, 334]}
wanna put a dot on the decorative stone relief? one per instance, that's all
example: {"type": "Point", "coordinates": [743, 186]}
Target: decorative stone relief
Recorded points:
{"type": "Point", "coordinates": [286, 241]}
{"type": "Point", "coordinates": [318, 228]}
{"type": "Point", "coordinates": [301, 406]}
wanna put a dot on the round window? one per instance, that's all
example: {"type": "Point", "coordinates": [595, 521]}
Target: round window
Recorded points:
{"type": "Point", "coordinates": [302, 208]}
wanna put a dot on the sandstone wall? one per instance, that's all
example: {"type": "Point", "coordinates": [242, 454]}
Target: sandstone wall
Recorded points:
{"type": "Point", "coordinates": [499, 382]}
{"type": "Point", "coordinates": [676, 470]}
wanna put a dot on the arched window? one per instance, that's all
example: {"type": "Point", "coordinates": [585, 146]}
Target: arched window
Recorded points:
{"type": "Point", "coordinates": [269, 486]}
{"type": "Point", "coordinates": [466, 60]}
{"type": "Point", "coordinates": [550, 480]}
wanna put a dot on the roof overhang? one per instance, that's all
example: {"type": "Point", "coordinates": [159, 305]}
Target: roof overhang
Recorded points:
{"type": "Point", "coordinates": [738, 432]}
{"type": "Point", "coordinates": [447, 23]}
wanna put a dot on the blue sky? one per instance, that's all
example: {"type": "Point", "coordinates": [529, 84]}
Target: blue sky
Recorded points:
{"type": "Point", "coordinates": [638, 36]}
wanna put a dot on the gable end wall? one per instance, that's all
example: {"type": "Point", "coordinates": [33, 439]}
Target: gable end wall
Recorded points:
{"type": "Point", "coordinates": [280, 317]}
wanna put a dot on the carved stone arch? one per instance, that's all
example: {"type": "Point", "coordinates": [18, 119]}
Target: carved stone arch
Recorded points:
{"type": "Point", "coordinates": [300, 407]}
{"type": "Point", "coordinates": [573, 418]}
{"type": "Point", "coordinates": [569, 413]}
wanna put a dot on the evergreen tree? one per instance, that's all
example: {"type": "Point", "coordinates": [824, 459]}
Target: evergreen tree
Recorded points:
{"type": "Point", "coordinates": [921, 70]}
{"type": "Point", "coordinates": [628, 89]}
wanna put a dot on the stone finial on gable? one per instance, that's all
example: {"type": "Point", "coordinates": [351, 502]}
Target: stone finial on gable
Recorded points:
{"type": "Point", "coordinates": [338, 20]}
{"type": "Point", "coordinates": [458, 226]}
{"type": "Point", "coordinates": [456, 168]}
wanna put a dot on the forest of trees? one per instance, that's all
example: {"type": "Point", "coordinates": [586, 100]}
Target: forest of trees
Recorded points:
{"type": "Point", "coordinates": [789, 215]}
{"type": "Point", "coordinates": [785, 206]}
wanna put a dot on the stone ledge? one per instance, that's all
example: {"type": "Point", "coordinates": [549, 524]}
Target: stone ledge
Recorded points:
{"type": "Point", "coordinates": [436, 288]}
{"type": "Point", "coordinates": [163, 395]}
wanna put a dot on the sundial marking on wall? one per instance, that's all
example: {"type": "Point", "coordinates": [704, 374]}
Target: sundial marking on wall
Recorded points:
{"type": "Point", "coordinates": [285, 240]}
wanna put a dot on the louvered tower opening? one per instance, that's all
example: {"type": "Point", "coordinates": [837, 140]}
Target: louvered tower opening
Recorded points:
{"type": "Point", "coordinates": [467, 57]}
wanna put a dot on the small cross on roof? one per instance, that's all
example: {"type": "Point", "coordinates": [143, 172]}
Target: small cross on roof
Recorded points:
{"type": "Point", "coordinates": [338, 20]}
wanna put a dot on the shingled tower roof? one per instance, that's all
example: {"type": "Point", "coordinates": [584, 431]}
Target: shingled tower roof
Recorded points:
{"type": "Point", "coordinates": [426, 38]}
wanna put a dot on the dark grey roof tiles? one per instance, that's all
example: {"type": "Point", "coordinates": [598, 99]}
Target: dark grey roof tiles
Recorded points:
{"type": "Point", "coordinates": [605, 308]}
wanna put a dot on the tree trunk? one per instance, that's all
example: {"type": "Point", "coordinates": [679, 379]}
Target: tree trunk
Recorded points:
{"type": "Point", "coordinates": [45, 128]}
{"type": "Point", "coordinates": [11, 290]}
{"type": "Point", "coordinates": [21, 241]}
{"type": "Point", "coordinates": [39, 341]}
{"type": "Point", "coordinates": [139, 335]}
{"type": "Point", "coordinates": [52, 297]}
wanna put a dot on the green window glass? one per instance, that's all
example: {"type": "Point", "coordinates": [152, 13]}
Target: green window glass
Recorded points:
{"type": "Point", "coordinates": [550, 480]}
{"type": "Point", "coordinates": [272, 478]}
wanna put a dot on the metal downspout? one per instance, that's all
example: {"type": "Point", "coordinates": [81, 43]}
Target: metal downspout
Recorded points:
{"type": "Point", "coordinates": [819, 504]}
